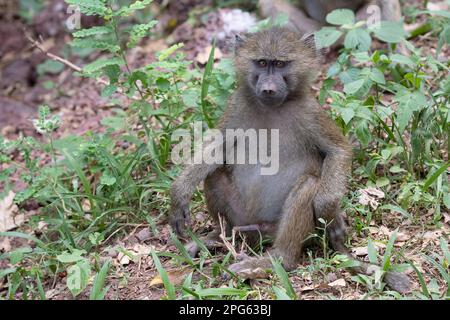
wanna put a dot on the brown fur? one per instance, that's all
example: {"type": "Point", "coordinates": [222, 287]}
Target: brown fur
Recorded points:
{"type": "Point", "coordinates": [314, 161]}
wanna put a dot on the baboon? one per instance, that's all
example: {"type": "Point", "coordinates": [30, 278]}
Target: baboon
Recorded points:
{"type": "Point", "coordinates": [274, 70]}
{"type": "Point", "coordinates": [309, 15]}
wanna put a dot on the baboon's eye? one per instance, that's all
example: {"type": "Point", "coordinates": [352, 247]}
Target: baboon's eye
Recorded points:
{"type": "Point", "coordinates": [280, 64]}
{"type": "Point", "coordinates": [262, 63]}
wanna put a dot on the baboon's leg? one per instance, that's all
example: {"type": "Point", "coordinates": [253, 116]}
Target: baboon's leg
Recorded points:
{"type": "Point", "coordinates": [296, 224]}
{"type": "Point", "coordinates": [222, 199]}
{"type": "Point", "coordinates": [297, 221]}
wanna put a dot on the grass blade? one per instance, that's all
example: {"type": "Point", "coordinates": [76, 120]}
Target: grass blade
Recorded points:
{"type": "Point", "coordinates": [284, 278]}
{"type": "Point", "coordinates": [164, 277]}
{"type": "Point", "coordinates": [98, 291]}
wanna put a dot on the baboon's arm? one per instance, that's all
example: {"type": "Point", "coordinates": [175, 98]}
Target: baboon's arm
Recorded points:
{"type": "Point", "coordinates": [335, 168]}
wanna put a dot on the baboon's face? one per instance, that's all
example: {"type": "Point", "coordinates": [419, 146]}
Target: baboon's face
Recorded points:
{"type": "Point", "coordinates": [268, 79]}
{"type": "Point", "coordinates": [274, 65]}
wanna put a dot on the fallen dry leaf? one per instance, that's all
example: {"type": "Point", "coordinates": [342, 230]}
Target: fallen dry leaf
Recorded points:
{"type": "Point", "coordinates": [338, 283]}
{"type": "Point", "coordinates": [401, 237]}
{"type": "Point", "coordinates": [370, 196]}
{"type": "Point", "coordinates": [360, 251]}
{"type": "Point", "coordinates": [202, 57]}
{"type": "Point", "coordinates": [446, 217]}
{"type": "Point", "coordinates": [9, 217]}
{"type": "Point", "coordinates": [86, 205]}
{"type": "Point", "coordinates": [141, 249]}
{"type": "Point", "coordinates": [123, 259]}
{"type": "Point", "coordinates": [176, 276]}
{"type": "Point", "coordinates": [436, 6]}
{"type": "Point", "coordinates": [5, 245]}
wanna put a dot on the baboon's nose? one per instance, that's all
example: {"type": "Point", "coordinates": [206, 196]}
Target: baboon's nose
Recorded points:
{"type": "Point", "coordinates": [269, 89]}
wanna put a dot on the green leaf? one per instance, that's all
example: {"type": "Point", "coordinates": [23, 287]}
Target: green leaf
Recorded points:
{"type": "Point", "coordinates": [432, 176]}
{"type": "Point", "coordinates": [91, 7]}
{"type": "Point", "coordinates": [372, 253]}
{"type": "Point", "coordinates": [128, 10]}
{"type": "Point", "coordinates": [354, 86]}
{"type": "Point", "coordinates": [5, 272]}
{"type": "Point", "coordinates": [78, 277]}
{"type": "Point", "coordinates": [340, 17]}
{"type": "Point", "coordinates": [94, 31]}
{"type": "Point", "coordinates": [50, 66]}
{"type": "Point", "coordinates": [170, 289]}
{"type": "Point", "coordinates": [389, 31]}
{"type": "Point", "coordinates": [396, 169]}
{"type": "Point", "coordinates": [347, 114]}
{"type": "Point", "coordinates": [107, 179]}
{"type": "Point", "coordinates": [382, 182]}
{"type": "Point", "coordinates": [95, 43]}
{"type": "Point", "coordinates": [388, 252]}
{"type": "Point", "coordinates": [441, 13]}
{"type": "Point", "coordinates": [98, 291]}
{"type": "Point", "coordinates": [139, 31]}
{"type": "Point", "coordinates": [102, 63]}
{"type": "Point", "coordinates": [284, 278]}
{"type": "Point", "coordinates": [219, 292]}
{"type": "Point", "coordinates": [281, 293]}
{"type": "Point", "coordinates": [108, 90]}
{"type": "Point", "coordinates": [409, 102]}
{"type": "Point", "coordinates": [190, 98]}
{"type": "Point", "coordinates": [164, 54]}
{"type": "Point", "coordinates": [358, 39]}
{"type": "Point", "coordinates": [421, 280]}
{"type": "Point", "coordinates": [75, 256]}
{"type": "Point", "coordinates": [326, 37]}
{"type": "Point", "coordinates": [401, 59]}
{"type": "Point", "coordinates": [446, 200]}
{"type": "Point", "coordinates": [377, 76]}
{"type": "Point", "coordinates": [394, 208]}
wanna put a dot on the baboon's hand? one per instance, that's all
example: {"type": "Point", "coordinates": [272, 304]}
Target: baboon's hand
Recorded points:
{"type": "Point", "coordinates": [179, 220]}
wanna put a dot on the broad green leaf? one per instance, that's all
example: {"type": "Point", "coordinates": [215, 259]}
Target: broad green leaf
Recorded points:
{"type": "Point", "coordinates": [377, 76]}
{"type": "Point", "coordinates": [78, 277]}
{"type": "Point", "coordinates": [353, 87]}
{"type": "Point", "coordinates": [107, 179]}
{"type": "Point", "coordinates": [340, 17]}
{"type": "Point", "coordinates": [358, 39]}
{"type": "Point", "coordinates": [67, 257]}
{"type": "Point", "coordinates": [401, 59]}
{"type": "Point", "coordinates": [326, 37]}
{"type": "Point", "coordinates": [389, 31]}
{"type": "Point", "coordinates": [409, 102]}
{"type": "Point", "coordinates": [347, 114]}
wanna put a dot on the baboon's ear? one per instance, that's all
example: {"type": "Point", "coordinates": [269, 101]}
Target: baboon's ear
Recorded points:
{"type": "Point", "coordinates": [238, 41]}
{"type": "Point", "coordinates": [310, 41]}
